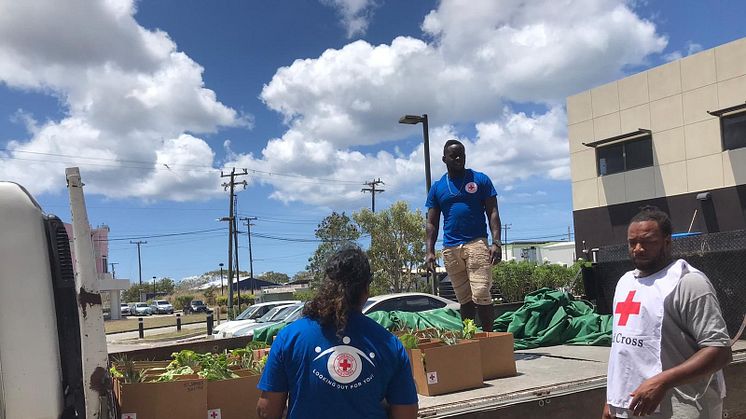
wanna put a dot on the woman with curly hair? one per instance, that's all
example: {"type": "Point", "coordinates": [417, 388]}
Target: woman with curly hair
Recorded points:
{"type": "Point", "coordinates": [336, 362]}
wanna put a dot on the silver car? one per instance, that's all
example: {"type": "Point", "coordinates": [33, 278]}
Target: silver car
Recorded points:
{"type": "Point", "coordinates": [141, 309]}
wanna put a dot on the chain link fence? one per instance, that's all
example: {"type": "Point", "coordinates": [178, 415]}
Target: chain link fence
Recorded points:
{"type": "Point", "coordinates": [721, 256]}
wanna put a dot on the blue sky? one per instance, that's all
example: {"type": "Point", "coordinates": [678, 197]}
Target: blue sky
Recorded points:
{"type": "Point", "coordinates": [152, 99]}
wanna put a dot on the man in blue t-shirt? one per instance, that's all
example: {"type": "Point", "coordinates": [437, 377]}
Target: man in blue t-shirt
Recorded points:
{"type": "Point", "coordinates": [464, 196]}
{"type": "Point", "coordinates": [336, 362]}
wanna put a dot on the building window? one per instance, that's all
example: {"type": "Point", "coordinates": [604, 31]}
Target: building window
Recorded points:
{"type": "Point", "coordinates": [733, 128]}
{"type": "Point", "coordinates": [628, 155]}
{"type": "Point", "coordinates": [105, 261]}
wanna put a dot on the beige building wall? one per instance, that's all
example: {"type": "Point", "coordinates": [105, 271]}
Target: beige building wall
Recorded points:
{"type": "Point", "coordinates": [672, 101]}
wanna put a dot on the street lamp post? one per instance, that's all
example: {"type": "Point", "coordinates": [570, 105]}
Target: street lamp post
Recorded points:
{"type": "Point", "coordinates": [221, 278]}
{"type": "Point", "coordinates": [155, 292]}
{"type": "Point", "coordinates": [414, 120]}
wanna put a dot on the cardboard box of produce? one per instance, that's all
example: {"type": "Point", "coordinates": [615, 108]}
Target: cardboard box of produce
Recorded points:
{"type": "Point", "coordinates": [439, 368]}
{"type": "Point", "coordinates": [497, 354]}
{"type": "Point", "coordinates": [183, 399]}
{"type": "Point", "coordinates": [234, 398]}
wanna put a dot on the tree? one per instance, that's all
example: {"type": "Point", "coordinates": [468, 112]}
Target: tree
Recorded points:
{"type": "Point", "coordinates": [165, 285]}
{"type": "Point", "coordinates": [397, 248]}
{"type": "Point", "coordinates": [132, 295]}
{"type": "Point", "coordinates": [334, 231]}
{"type": "Point", "coordinates": [276, 277]}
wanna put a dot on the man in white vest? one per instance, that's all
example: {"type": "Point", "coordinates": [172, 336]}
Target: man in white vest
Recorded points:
{"type": "Point", "coordinates": [669, 339]}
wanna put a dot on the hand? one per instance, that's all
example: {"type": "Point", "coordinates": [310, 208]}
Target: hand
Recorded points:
{"type": "Point", "coordinates": [496, 253]}
{"type": "Point", "coordinates": [647, 397]}
{"type": "Point", "coordinates": [430, 262]}
{"type": "Point", "coordinates": [606, 414]}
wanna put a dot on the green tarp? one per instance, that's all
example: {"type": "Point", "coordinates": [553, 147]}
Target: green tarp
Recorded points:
{"type": "Point", "coordinates": [547, 317]}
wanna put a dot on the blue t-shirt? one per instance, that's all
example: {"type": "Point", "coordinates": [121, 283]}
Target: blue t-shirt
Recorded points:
{"type": "Point", "coordinates": [331, 378]}
{"type": "Point", "coordinates": [461, 200]}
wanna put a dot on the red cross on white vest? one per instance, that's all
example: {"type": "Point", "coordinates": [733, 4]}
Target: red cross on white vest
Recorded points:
{"type": "Point", "coordinates": [627, 308]}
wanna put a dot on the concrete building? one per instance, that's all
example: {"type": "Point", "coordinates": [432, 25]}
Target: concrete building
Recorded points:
{"type": "Point", "coordinates": [673, 136]}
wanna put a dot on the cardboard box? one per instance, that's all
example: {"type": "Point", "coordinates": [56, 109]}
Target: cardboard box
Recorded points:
{"type": "Point", "coordinates": [235, 398]}
{"type": "Point", "coordinates": [183, 399]}
{"type": "Point", "coordinates": [438, 368]}
{"type": "Point", "coordinates": [498, 359]}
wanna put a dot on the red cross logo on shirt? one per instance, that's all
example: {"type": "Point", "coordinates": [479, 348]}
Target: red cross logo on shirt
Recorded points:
{"type": "Point", "coordinates": [214, 415]}
{"type": "Point", "coordinates": [627, 308]}
{"type": "Point", "coordinates": [345, 365]}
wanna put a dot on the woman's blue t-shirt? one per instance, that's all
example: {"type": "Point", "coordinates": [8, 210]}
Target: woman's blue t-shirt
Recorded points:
{"type": "Point", "coordinates": [329, 377]}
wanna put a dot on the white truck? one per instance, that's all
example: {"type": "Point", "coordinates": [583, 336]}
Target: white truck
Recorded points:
{"type": "Point", "coordinates": [53, 357]}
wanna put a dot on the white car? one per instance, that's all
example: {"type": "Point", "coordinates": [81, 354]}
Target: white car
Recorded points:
{"type": "Point", "coordinates": [250, 315]}
{"type": "Point", "coordinates": [285, 314]}
{"type": "Point", "coordinates": [407, 301]}
{"type": "Point", "coordinates": [229, 330]}
{"type": "Point", "coordinates": [162, 307]}
{"type": "Point", "coordinates": [124, 308]}
{"type": "Point", "coordinates": [141, 309]}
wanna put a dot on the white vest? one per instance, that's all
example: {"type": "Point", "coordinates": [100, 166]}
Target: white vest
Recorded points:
{"type": "Point", "coordinates": [636, 337]}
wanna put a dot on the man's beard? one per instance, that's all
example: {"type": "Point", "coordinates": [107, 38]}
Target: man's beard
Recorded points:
{"type": "Point", "coordinates": [655, 263]}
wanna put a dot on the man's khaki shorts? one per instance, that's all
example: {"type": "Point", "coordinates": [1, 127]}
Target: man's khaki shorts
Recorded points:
{"type": "Point", "coordinates": [468, 266]}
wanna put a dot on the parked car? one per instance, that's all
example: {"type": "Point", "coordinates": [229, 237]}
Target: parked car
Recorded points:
{"type": "Point", "coordinates": [141, 309]}
{"type": "Point", "coordinates": [286, 314]}
{"type": "Point", "coordinates": [251, 314]}
{"type": "Point", "coordinates": [197, 306]}
{"type": "Point", "coordinates": [162, 307]}
{"type": "Point", "coordinates": [407, 301]}
{"type": "Point", "coordinates": [125, 309]}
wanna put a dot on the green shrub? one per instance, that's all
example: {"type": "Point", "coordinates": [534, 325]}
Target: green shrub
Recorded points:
{"type": "Point", "coordinates": [182, 301]}
{"type": "Point", "coordinates": [516, 279]}
{"type": "Point", "coordinates": [221, 300]}
{"type": "Point", "coordinates": [304, 295]}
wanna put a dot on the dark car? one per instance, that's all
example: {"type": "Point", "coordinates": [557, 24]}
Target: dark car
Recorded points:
{"type": "Point", "coordinates": [197, 306]}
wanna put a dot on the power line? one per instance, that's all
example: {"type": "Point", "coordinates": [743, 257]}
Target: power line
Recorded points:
{"type": "Point", "coordinates": [149, 165]}
{"type": "Point", "coordinates": [152, 236]}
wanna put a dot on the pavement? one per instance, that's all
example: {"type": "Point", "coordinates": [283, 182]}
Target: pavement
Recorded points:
{"type": "Point", "coordinates": [125, 341]}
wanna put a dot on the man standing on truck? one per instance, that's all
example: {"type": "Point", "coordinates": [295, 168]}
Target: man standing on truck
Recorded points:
{"type": "Point", "coordinates": [464, 196]}
{"type": "Point", "coordinates": [669, 339]}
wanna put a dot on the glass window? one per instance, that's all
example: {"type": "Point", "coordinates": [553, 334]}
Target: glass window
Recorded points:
{"type": "Point", "coordinates": [734, 131]}
{"type": "Point", "coordinates": [621, 157]}
{"type": "Point", "coordinates": [638, 153]}
{"type": "Point", "coordinates": [610, 159]}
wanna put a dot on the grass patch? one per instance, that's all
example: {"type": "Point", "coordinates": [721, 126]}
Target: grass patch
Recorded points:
{"type": "Point", "coordinates": [160, 337]}
{"type": "Point", "coordinates": [150, 322]}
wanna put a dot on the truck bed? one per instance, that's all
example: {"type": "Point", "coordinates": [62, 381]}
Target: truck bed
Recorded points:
{"type": "Point", "coordinates": [559, 382]}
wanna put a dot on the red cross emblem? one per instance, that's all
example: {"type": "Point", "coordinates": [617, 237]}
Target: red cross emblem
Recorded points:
{"type": "Point", "coordinates": [471, 187]}
{"type": "Point", "coordinates": [627, 308]}
{"type": "Point", "coordinates": [214, 415]}
{"type": "Point", "coordinates": [128, 416]}
{"type": "Point", "coordinates": [344, 365]}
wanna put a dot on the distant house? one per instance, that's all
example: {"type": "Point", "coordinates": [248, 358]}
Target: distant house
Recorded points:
{"type": "Point", "coordinates": [673, 136]}
{"type": "Point", "coordinates": [562, 253]}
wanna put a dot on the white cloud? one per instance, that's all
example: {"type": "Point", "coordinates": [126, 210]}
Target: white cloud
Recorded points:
{"type": "Point", "coordinates": [691, 48]}
{"type": "Point", "coordinates": [483, 56]}
{"type": "Point", "coordinates": [355, 14]}
{"type": "Point", "coordinates": [130, 96]}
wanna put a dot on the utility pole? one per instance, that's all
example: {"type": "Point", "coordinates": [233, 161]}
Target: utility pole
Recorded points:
{"type": "Point", "coordinates": [505, 228]}
{"type": "Point", "coordinates": [372, 189]}
{"type": "Point", "coordinates": [139, 262]}
{"type": "Point", "coordinates": [251, 257]}
{"type": "Point", "coordinates": [569, 233]}
{"type": "Point", "coordinates": [235, 251]}
{"type": "Point", "coordinates": [113, 272]}
{"type": "Point", "coordinates": [231, 216]}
